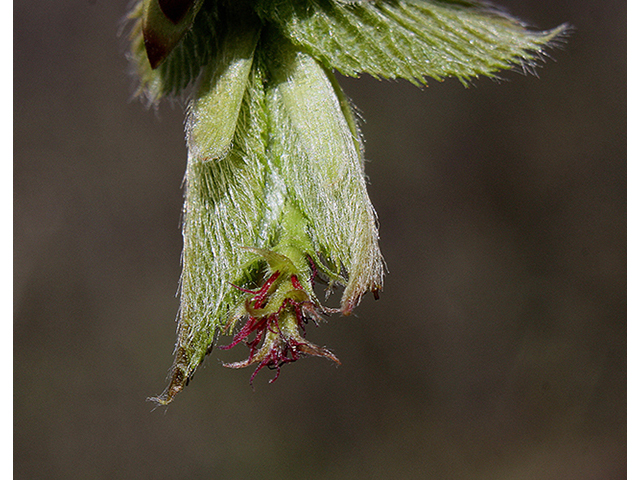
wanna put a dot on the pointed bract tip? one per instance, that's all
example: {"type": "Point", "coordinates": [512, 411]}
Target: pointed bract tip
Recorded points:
{"type": "Point", "coordinates": [175, 10]}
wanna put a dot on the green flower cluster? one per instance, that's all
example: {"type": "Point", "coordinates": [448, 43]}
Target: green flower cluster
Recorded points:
{"type": "Point", "coordinates": [276, 193]}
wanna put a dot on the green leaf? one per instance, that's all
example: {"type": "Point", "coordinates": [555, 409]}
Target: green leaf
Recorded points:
{"type": "Point", "coordinates": [223, 212]}
{"type": "Point", "coordinates": [212, 119]}
{"type": "Point", "coordinates": [316, 148]}
{"type": "Point", "coordinates": [410, 39]}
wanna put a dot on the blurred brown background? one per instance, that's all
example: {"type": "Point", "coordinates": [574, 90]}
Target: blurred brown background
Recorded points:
{"type": "Point", "coordinates": [497, 349]}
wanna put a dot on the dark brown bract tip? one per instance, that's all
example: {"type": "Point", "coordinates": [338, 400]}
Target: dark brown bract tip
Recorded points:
{"type": "Point", "coordinates": [175, 10]}
{"type": "Point", "coordinates": [179, 379]}
{"type": "Point", "coordinates": [157, 48]}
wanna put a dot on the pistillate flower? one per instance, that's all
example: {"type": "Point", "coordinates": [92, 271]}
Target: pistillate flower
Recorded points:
{"type": "Point", "coordinates": [275, 186]}
{"type": "Point", "coordinates": [276, 313]}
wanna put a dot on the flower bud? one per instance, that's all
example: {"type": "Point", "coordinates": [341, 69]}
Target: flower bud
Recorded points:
{"type": "Point", "coordinates": [276, 193]}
